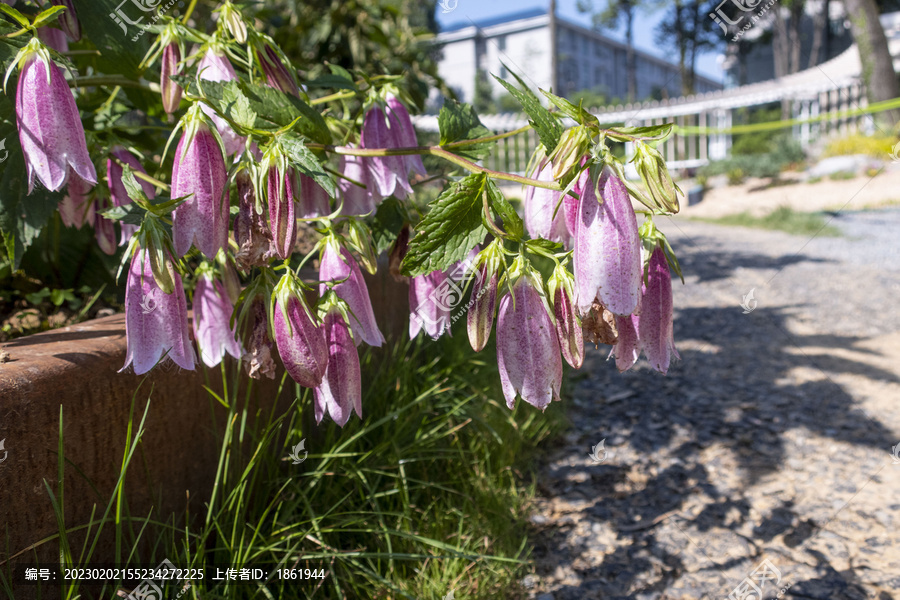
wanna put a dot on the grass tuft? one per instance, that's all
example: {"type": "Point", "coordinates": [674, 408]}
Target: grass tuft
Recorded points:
{"type": "Point", "coordinates": [781, 219]}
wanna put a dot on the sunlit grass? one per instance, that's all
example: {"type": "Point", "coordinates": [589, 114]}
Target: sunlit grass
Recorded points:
{"type": "Point", "coordinates": [781, 219]}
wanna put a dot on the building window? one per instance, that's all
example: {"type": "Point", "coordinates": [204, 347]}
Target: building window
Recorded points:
{"type": "Point", "coordinates": [501, 43]}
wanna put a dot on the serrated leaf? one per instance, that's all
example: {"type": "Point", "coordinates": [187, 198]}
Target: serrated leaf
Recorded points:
{"type": "Point", "coordinates": [237, 106]}
{"type": "Point", "coordinates": [274, 109]}
{"type": "Point", "coordinates": [389, 219]}
{"type": "Point", "coordinates": [302, 159]}
{"type": "Point", "coordinates": [512, 222]}
{"type": "Point", "coordinates": [459, 122]}
{"type": "Point", "coordinates": [548, 128]}
{"type": "Point", "coordinates": [129, 213]}
{"type": "Point", "coordinates": [650, 132]}
{"type": "Point", "coordinates": [577, 113]}
{"type": "Point", "coordinates": [547, 245]}
{"type": "Point", "coordinates": [450, 230]}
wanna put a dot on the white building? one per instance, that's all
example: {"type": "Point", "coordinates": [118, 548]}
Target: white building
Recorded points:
{"type": "Point", "coordinates": [585, 59]}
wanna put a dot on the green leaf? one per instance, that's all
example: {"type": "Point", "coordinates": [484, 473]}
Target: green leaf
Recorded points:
{"type": "Point", "coordinates": [577, 113]}
{"type": "Point", "coordinates": [548, 127]}
{"type": "Point", "coordinates": [19, 17]}
{"type": "Point", "coordinates": [130, 213]}
{"type": "Point", "coordinates": [238, 107]}
{"type": "Point", "coordinates": [459, 122]}
{"type": "Point", "coordinates": [274, 109]}
{"type": "Point", "coordinates": [450, 230]}
{"type": "Point", "coordinates": [651, 132]}
{"type": "Point", "coordinates": [48, 16]}
{"type": "Point", "coordinates": [512, 222]}
{"type": "Point", "coordinates": [120, 43]}
{"type": "Point", "coordinates": [546, 245]}
{"type": "Point", "coordinates": [305, 161]}
{"type": "Point", "coordinates": [389, 219]}
{"type": "Point", "coordinates": [332, 82]}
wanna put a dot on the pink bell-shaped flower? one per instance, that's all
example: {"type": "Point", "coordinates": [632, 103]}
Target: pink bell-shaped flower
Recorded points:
{"type": "Point", "coordinates": [117, 189]}
{"type": "Point", "coordinates": [50, 129]}
{"type": "Point", "coordinates": [527, 347]}
{"type": "Point", "coordinates": [405, 135]}
{"type": "Point", "coordinates": [200, 173]}
{"type": "Point", "coordinates": [655, 326]}
{"type": "Point", "coordinates": [627, 348]}
{"type": "Point", "coordinates": [539, 205]}
{"type": "Point", "coordinates": [357, 200]}
{"type": "Point", "coordinates": [300, 339]}
{"type": "Point", "coordinates": [54, 38]}
{"type": "Point", "coordinates": [388, 173]}
{"type": "Point", "coordinates": [312, 199]}
{"type": "Point", "coordinates": [429, 308]}
{"type": "Point", "coordinates": [156, 323]}
{"type": "Point", "coordinates": [212, 317]}
{"type": "Point", "coordinates": [341, 389]}
{"type": "Point", "coordinates": [483, 304]}
{"type": "Point", "coordinates": [76, 208]}
{"type": "Point", "coordinates": [214, 66]}
{"type": "Point", "coordinates": [104, 229]}
{"type": "Point", "coordinates": [338, 265]}
{"type": "Point", "coordinates": [607, 257]}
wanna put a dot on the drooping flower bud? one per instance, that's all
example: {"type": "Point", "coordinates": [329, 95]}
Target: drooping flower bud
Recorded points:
{"type": "Point", "coordinates": [68, 20]}
{"type": "Point", "coordinates": [599, 326]}
{"type": "Point", "coordinates": [388, 173]}
{"type": "Point", "coordinates": [234, 21]}
{"type": "Point", "coordinates": [214, 66]}
{"type": "Point", "coordinates": [272, 62]}
{"type": "Point", "coordinates": [337, 264]}
{"type": "Point", "coordinates": [607, 247]}
{"type": "Point", "coordinates": [199, 172]}
{"type": "Point", "coordinates": [212, 315]}
{"type": "Point", "coordinates": [77, 208]}
{"type": "Point", "coordinates": [258, 359]}
{"type": "Point", "coordinates": [655, 326]}
{"type": "Point", "coordinates": [50, 129]}
{"type": "Point", "coordinates": [405, 135]}
{"type": "Point", "coordinates": [569, 152]}
{"type": "Point", "coordinates": [251, 232]}
{"type": "Point", "coordinates": [156, 323]}
{"type": "Point", "coordinates": [527, 347]}
{"type": "Point", "coordinates": [651, 166]}
{"type": "Point", "coordinates": [312, 199]}
{"type": "Point", "coordinates": [483, 304]}
{"type": "Point", "coordinates": [117, 189]}
{"type": "Point", "coordinates": [171, 65]}
{"type": "Point", "coordinates": [341, 389]}
{"type": "Point", "coordinates": [628, 346]}
{"type": "Point", "coordinates": [300, 339]}
{"type": "Point", "coordinates": [568, 326]}
{"type": "Point", "coordinates": [540, 206]}
{"type": "Point", "coordinates": [282, 221]}
{"type": "Point", "coordinates": [358, 199]}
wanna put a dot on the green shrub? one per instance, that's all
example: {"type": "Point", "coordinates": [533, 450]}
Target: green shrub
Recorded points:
{"type": "Point", "coordinates": [878, 146]}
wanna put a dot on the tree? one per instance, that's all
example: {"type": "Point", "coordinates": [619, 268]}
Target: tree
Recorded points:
{"type": "Point", "coordinates": [874, 56]}
{"type": "Point", "coordinates": [618, 13]}
{"type": "Point", "coordinates": [689, 31]}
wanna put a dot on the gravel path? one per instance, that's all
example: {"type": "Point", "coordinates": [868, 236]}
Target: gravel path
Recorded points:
{"type": "Point", "coordinates": [766, 449]}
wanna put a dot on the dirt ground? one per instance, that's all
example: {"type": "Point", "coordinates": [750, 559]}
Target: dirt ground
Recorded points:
{"type": "Point", "coordinates": [763, 462]}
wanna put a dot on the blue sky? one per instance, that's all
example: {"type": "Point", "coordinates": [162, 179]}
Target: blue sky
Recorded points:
{"type": "Point", "coordinates": [643, 34]}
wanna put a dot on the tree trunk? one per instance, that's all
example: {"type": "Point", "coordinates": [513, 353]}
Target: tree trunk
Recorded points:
{"type": "Point", "coordinates": [877, 65]}
{"type": "Point", "coordinates": [820, 21]}
{"type": "Point", "coordinates": [629, 53]}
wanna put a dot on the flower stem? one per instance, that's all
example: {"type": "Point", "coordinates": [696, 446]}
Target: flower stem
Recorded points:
{"type": "Point", "coordinates": [117, 80]}
{"type": "Point", "coordinates": [329, 98]}
{"type": "Point", "coordinates": [442, 153]}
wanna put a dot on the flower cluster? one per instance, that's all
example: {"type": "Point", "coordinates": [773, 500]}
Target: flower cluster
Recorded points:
{"type": "Point", "coordinates": [257, 179]}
